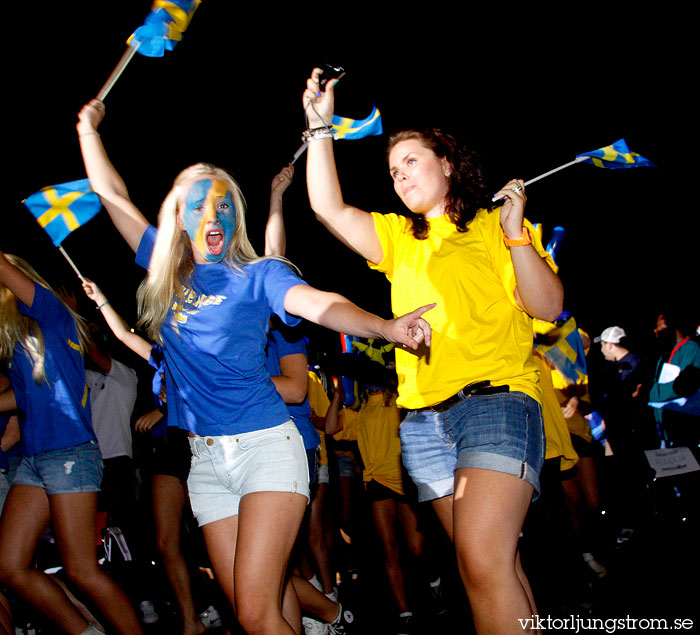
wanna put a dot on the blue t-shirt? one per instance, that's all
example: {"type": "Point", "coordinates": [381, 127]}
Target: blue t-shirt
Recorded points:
{"type": "Point", "coordinates": [278, 346]}
{"type": "Point", "coordinates": [217, 382]}
{"type": "Point", "coordinates": [56, 411]}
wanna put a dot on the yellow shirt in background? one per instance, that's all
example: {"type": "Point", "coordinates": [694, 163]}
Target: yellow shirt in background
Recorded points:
{"type": "Point", "coordinates": [378, 440]}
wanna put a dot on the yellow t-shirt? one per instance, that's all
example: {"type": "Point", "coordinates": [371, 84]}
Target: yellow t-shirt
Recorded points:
{"type": "Point", "coordinates": [378, 440]}
{"type": "Point", "coordinates": [318, 400]}
{"type": "Point", "coordinates": [348, 418]}
{"type": "Point", "coordinates": [578, 424]}
{"type": "Point", "coordinates": [479, 331]}
{"type": "Point", "coordinates": [556, 431]}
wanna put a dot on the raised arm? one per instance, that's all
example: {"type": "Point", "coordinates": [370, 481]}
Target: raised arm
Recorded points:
{"type": "Point", "coordinates": [275, 235]}
{"type": "Point", "coordinates": [339, 314]}
{"type": "Point", "coordinates": [349, 224]}
{"type": "Point", "coordinates": [115, 322]}
{"type": "Point", "coordinates": [16, 281]}
{"type": "Point", "coordinates": [333, 422]}
{"type": "Point", "coordinates": [539, 290]}
{"type": "Point", "coordinates": [104, 178]}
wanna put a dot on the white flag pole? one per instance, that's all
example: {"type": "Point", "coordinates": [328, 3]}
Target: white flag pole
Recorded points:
{"type": "Point", "coordinates": [70, 262]}
{"type": "Point", "coordinates": [118, 70]}
{"type": "Point", "coordinates": [541, 176]}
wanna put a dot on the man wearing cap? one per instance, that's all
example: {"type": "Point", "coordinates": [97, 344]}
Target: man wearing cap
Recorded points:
{"type": "Point", "coordinates": [620, 402]}
{"type": "Point", "coordinates": [619, 388]}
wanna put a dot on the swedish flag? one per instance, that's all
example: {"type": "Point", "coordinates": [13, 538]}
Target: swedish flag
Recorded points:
{"type": "Point", "coordinates": [614, 157]}
{"type": "Point", "coordinates": [563, 349]}
{"type": "Point", "coordinates": [163, 27]}
{"type": "Point", "coordinates": [60, 209]}
{"type": "Point", "coordinates": [357, 128]}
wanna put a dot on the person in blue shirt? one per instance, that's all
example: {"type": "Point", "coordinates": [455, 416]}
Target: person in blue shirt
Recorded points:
{"type": "Point", "coordinates": [57, 482]}
{"type": "Point", "coordinates": [208, 298]}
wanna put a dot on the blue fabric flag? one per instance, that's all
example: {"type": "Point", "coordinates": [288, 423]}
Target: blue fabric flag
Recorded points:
{"type": "Point", "coordinates": [163, 27]}
{"type": "Point", "coordinates": [615, 157]}
{"type": "Point", "coordinates": [62, 208]}
{"type": "Point", "coordinates": [564, 350]}
{"type": "Point", "coordinates": [357, 128]}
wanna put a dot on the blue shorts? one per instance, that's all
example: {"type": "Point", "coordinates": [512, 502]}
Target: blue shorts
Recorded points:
{"type": "Point", "coordinates": [346, 465]}
{"type": "Point", "coordinates": [64, 471]}
{"type": "Point", "coordinates": [501, 432]}
{"type": "Point", "coordinates": [226, 468]}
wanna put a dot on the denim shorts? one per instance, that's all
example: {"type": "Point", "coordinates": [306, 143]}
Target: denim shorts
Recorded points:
{"type": "Point", "coordinates": [501, 432]}
{"type": "Point", "coordinates": [64, 471]}
{"type": "Point", "coordinates": [346, 465]}
{"type": "Point", "coordinates": [226, 468]}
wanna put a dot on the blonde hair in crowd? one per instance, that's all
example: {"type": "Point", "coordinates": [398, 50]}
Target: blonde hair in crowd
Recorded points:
{"type": "Point", "coordinates": [17, 328]}
{"type": "Point", "coordinates": [171, 263]}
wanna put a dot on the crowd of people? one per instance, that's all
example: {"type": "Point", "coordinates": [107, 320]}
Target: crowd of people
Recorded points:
{"type": "Point", "coordinates": [468, 411]}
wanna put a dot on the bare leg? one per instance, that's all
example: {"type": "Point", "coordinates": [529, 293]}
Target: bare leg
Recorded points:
{"type": "Point", "coordinates": [489, 510]}
{"type": "Point", "coordinates": [250, 553]}
{"type": "Point", "coordinates": [384, 514]}
{"type": "Point", "coordinates": [5, 617]}
{"type": "Point", "coordinates": [313, 601]}
{"type": "Point", "coordinates": [73, 518]}
{"type": "Point", "coordinates": [24, 520]}
{"type": "Point", "coordinates": [169, 499]}
{"type": "Point", "coordinates": [317, 539]}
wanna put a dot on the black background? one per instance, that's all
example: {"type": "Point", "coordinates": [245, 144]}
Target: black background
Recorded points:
{"type": "Point", "coordinates": [529, 88]}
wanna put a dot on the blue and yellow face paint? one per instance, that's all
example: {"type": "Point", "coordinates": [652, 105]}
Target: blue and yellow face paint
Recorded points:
{"type": "Point", "coordinates": [209, 217]}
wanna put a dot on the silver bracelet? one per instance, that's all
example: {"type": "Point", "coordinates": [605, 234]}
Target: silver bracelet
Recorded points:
{"type": "Point", "coordinates": [324, 132]}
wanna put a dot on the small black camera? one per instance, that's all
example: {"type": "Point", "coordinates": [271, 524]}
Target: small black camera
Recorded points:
{"type": "Point", "coordinates": [329, 72]}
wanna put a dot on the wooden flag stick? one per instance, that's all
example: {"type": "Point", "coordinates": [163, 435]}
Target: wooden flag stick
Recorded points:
{"type": "Point", "coordinates": [541, 176]}
{"type": "Point", "coordinates": [71, 263]}
{"type": "Point", "coordinates": [118, 70]}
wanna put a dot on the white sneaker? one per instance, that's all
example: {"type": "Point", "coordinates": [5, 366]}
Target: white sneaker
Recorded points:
{"type": "Point", "coordinates": [314, 627]}
{"type": "Point", "coordinates": [148, 612]}
{"type": "Point", "coordinates": [210, 618]}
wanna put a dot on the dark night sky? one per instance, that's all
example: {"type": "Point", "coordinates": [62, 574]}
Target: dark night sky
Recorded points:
{"type": "Point", "coordinates": [528, 92]}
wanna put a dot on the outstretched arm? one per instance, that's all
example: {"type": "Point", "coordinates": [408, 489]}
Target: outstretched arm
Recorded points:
{"type": "Point", "coordinates": [339, 314]}
{"type": "Point", "coordinates": [104, 178]}
{"type": "Point", "coordinates": [275, 235]}
{"type": "Point", "coordinates": [16, 281]}
{"type": "Point", "coordinates": [115, 322]}
{"type": "Point", "coordinates": [539, 289]}
{"type": "Point", "coordinates": [349, 224]}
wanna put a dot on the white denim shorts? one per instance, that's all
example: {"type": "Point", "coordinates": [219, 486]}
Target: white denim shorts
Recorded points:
{"type": "Point", "coordinates": [226, 468]}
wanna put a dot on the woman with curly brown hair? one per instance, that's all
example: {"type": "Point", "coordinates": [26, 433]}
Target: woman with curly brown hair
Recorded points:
{"type": "Point", "coordinates": [472, 440]}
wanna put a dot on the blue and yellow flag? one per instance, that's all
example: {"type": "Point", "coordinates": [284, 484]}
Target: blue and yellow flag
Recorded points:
{"type": "Point", "coordinates": [563, 349]}
{"type": "Point", "coordinates": [60, 209]}
{"type": "Point", "coordinates": [615, 157]}
{"type": "Point", "coordinates": [163, 27]}
{"type": "Point", "coordinates": [357, 128]}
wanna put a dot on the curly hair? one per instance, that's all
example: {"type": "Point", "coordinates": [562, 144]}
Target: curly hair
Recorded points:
{"type": "Point", "coordinates": [467, 187]}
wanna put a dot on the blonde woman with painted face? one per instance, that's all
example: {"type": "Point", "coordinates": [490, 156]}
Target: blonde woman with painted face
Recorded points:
{"type": "Point", "coordinates": [208, 298]}
{"type": "Point", "coordinates": [473, 439]}
{"type": "Point", "coordinates": [57, 482]}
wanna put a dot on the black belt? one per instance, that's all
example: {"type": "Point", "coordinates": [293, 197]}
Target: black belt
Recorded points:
{"type": "Point", "coordinates": [483, 387]}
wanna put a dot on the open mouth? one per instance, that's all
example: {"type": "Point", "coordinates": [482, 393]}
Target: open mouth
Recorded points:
{"type": "Point", "coordinates": [215, 242]}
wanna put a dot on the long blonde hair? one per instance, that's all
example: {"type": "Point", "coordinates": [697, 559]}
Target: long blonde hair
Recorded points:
{"type": "Point", "coordinates": [17, 328]}
{"type": "Point", "coordinates": [172, 264]}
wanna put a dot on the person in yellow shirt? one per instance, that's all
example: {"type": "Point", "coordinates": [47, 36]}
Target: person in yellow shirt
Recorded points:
{"type": "Point", "coordinates": [472, 440]}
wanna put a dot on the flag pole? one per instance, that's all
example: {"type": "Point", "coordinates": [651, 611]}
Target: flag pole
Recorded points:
{"type": "Point", "coordinates": [299, 152]}
{"type": "Point", "coordinates": [118, 70]}
{"type": "Point", "coordinates": [70, 262]}
{"type": "Point", "coordinates": [541, 176]}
